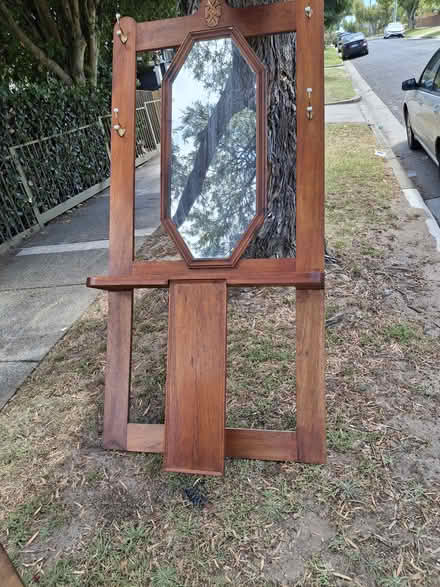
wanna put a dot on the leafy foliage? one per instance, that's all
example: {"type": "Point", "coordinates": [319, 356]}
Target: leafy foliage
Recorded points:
{"type": "Point", "coordinates": [70, 163]}
{"type": "Point", "coordinates": [42, 38]}
{"type": "Point", "coordinates": [410, 7]}
{"type": "Point", "coordinates": [37, 110]}
{"type": "Point", "coordinates": [334, 10]}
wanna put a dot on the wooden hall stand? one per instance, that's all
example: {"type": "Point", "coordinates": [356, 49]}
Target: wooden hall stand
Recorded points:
{"type": "Point", "coordinates": [193, 438]}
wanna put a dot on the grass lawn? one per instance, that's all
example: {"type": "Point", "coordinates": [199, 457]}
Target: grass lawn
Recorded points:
{"type": "Point", "coordinates": [72, 514]}
{"type": "Point", "coordinates": [431, 32]}
{"type": "Point", "coordinates": [338, 85]}
{"type": "Point", "coordinates": [331, 57]}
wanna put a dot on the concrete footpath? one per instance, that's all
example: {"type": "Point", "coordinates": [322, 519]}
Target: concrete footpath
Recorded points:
{"type": "Point", "coordinates": [42, 284]}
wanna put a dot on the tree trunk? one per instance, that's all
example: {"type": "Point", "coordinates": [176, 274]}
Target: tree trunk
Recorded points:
{"type": "Point", "coordinates": [277, 236]}
{"type": "Point", "coordinates": [412, 18]}
{"type": "Point", "coordinates": [92, 43]}
{"type": "Point", "coordinates": [38, 54]}
{"type": "Point", "coordinates": [79, 45]}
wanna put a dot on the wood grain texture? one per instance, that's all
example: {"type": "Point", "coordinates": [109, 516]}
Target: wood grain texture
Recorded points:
{"type": "Point", "coordinates": [196, 378]}
{"type": "Point", "coordinates": [251, 22]}
{"type": "Point", "coordinates": [118, 369]}
{"type": "Point", "coordinates": [310, 388]}
{"type": "Point", "coordinates": [266, 445]}
{"type": "Point", "coordinates": [310, 391]}
{"type": "Point", "coordinates": [310, 138]}
{"type": "Point", "coordinates": [261, 146]}
{"type": "Point", "coordinates": [270, 445]}
{"type": "Point", "coordinates": [145, 437]}
{"type": "Point", "coordinates": [249, 272]}
{"type": "Point", "coordinates": [123, 153]}
{"type": "Point", "coordinates": [8, 575]}
{"type": "Point", "coordinates": [121, 239]}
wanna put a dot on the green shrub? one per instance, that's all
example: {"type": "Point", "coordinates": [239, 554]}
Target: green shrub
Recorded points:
{"type": "Point", "coordinates": [65, 167]}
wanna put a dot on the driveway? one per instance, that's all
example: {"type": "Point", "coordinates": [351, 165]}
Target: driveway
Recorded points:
{"type": "Point", "coordinates": [389, 63]}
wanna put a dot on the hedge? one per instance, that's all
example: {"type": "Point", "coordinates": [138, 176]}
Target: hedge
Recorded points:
{"type": "Point", "coordinates": [36, 111]}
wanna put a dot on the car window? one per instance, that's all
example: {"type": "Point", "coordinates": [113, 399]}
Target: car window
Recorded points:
{"type": "Point", "coordinates": [428, 76]}
{"type": "Point", "coordinates": [436, 84]}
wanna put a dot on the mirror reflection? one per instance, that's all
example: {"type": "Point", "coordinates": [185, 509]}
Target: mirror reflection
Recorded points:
{"type": "Point", "coordinates": [212, 189]}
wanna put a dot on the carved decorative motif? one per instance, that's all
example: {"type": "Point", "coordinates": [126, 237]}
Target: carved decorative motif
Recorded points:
{"type": "Point", "coordinates": [213, 12]}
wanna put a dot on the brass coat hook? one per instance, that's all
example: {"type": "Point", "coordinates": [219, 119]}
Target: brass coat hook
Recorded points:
{"type": "Point", "coordinates": [122, 36]}
{"type": "Point", "coordinates": [117, 127]}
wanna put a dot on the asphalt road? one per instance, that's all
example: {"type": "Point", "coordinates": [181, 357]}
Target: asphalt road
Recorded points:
{"type": "Point", "coordinates": [390, 62]}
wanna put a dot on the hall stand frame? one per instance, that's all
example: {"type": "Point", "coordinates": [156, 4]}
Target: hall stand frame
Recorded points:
{"type": "Point", "coordinates": [308, 443]}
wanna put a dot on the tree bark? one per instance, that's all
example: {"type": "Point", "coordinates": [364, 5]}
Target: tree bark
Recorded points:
{"type": "Point", "coordinates": [47, 21]}
{"type": "Point", "coordinates": [277, 236]}
{"type": "Point", "coordinates": [79, 44]}
{"type": "Point", "coordinates": [92, 41]}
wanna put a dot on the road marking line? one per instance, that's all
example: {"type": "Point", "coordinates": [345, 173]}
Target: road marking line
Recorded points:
{"type": "Point", "coordinates": [76, 247]}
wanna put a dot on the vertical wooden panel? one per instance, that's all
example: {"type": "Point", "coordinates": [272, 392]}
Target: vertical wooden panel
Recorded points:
{"type": "Point", "coordinates": [195, 402]}
{"type": "Point", "coordinates": [123, 151]}
{"type": "Point", "coordinates": [118, 370]}
{"type": "Point", "coordinates": [310, 137]}
{"type": "Point", "coordinates": [310, 399]}
{"type": "Point", "coordinates": [121, 237]}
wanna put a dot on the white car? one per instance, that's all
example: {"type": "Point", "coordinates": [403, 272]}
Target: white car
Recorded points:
{"type": "Point", "coordinates": [394, 29]}
{"type": "Point", "coordinates": [421, 109]}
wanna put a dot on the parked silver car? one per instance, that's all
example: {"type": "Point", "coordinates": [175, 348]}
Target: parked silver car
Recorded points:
{"type": "Point", "coordinates": [421, 109]}
{"type": "Point", "coordinates": [394, 29]}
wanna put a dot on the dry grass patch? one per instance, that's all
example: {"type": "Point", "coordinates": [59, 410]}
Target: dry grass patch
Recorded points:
{"type": "Point", "coordinates": [72, 514]}
{"type": "Point", "coordinates": [337, 85]}
{"type": "Point", "coordinates": [331, 57]}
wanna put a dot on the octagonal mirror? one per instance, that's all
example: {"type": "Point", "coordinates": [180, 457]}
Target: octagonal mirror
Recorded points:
{"type": "Point", "coordinates": [213, 157]}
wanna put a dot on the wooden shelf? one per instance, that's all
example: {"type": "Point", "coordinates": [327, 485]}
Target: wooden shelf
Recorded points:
{"type": "Point", "coordinates": [249, 272]}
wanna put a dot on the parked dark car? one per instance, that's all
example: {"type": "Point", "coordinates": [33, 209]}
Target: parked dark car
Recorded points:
{"type": "Point", "coordinates": [342, 39]}
{"type": "Point", "coordinates": [338, 38]}
{"type": "Point", "coordinates": [421, 109]}
{"type": "Point", "coordinates": [354, 46]}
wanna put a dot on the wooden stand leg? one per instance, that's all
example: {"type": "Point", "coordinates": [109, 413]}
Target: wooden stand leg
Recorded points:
{"type": "Point", "coordinates": [118, 374]}
{"type": "Point", "coordinates": [8, 575]}
{"type": "Point", "coordinates": [310, 390]}
{"type": "Point", "coordinates": [121, 237]}
{"type": "Point", "coordinates": [195, 402]}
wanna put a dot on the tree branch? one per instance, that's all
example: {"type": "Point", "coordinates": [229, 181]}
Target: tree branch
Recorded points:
{"type": "Point", "coordinates": [92, 41]}
{"type": "Point", "coordinates": [76, 20]}
{"type": "Point", "coordinates": [79, 44]}
{"type": "Point", "coordinates": [47, 20]}
{"type": "Point", "coordinates": [30, 45]}
{"type": "Point", "coordinates": [237, 95]}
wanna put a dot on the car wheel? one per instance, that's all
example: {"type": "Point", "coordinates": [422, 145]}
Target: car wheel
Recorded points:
{"type": "Point", "coordinates": [344, 57]}
{"type": "Point", "coordinates": [413, 144]}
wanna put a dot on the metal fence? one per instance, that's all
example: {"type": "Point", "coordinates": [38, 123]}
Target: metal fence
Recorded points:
{"type": "Point", "coordinates": [17, 215]}
{"type": "Point", "coordinates": [43, 178]}
{"type": "Point", "coordinates": [147, 129]}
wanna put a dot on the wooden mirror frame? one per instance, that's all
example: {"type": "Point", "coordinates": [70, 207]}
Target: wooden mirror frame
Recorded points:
{"type": "Point", "coordinates": [307, 443]}
{"type": "Point", "coordinates": [261, 152]}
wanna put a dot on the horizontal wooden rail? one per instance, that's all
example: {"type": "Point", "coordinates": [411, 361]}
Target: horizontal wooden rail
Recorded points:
{"type": "Point", "coordinates": [249, 272]}
{"type": "Point", "coordinates": [266, 445]}
{"type": "Point", "coordinates": [252, 21]}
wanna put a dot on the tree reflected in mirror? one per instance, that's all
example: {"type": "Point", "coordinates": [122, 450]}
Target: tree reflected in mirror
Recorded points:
{"type": "Point", "coordinates": [212, 188]}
